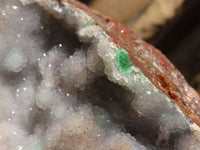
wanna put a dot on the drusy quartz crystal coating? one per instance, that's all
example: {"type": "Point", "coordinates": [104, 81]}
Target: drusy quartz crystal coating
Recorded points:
{"type": "Point", "coordinates": [72, 79]}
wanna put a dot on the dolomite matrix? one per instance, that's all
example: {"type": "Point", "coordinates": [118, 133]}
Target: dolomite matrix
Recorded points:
{"type": "Point", "coordinates": [68, 84]}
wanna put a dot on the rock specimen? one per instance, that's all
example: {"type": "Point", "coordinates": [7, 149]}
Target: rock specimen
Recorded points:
{"type": "Point", "coordinates": [73, 79]}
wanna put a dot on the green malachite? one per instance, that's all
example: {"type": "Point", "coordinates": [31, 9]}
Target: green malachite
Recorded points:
{"type": "Point", "coordinates": [123, 61]}
{"type": "Point", "coordinates": [89, 23]}
{"type": "Point", "coordinates": [143, 78]}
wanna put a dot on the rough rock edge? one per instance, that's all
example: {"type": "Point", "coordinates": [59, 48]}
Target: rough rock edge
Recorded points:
{"type": "Point", "coordinates": [161, 72]}
{"type": "Point", "coordinates": [151, 61]}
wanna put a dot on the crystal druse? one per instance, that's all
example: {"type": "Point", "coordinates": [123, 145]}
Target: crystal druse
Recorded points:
{"type": "Point", "coordinates": [67, 85]}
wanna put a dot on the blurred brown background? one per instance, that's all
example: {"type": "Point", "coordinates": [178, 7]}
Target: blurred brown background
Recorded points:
{"type": "Point", "coordinates": [173, 26]}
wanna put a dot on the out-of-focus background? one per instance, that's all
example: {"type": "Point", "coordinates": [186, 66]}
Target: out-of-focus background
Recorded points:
{"type": "Point", "coordinates": [173, 26]}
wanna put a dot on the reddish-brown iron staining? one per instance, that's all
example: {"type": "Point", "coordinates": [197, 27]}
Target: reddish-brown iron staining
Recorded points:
{"type": "Point", "coordinates": [152, 63]}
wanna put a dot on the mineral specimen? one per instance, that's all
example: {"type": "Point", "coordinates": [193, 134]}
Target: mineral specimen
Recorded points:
{"type": "Point", "coordinates": [73, 79]}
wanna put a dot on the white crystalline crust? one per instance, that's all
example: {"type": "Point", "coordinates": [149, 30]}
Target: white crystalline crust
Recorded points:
{"type": "Point", "coordinates": [39, 102]}
{"type": "Point", "coordinates": [36, 113]}
{"type": "Point", "coordinates": [14, 60]}
{"type": "Point", "coordinates": [149, 100]}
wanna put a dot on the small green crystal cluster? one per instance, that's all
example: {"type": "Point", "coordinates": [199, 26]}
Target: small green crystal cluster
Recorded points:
{"type": "Point", "coordinates": [124, 64]}
{"type": "Point", "coordinates": [89, 23]}
{"type": "Point", "coordinates": [123, 61]}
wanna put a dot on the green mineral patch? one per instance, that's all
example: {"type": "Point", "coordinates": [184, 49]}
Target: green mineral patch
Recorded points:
{"type": "Point", "coordinates": [89, 23]}
{"type": "Point", "coordinates": [123, 61]}
{"type": "Point", "coordinates": [143, 78]}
